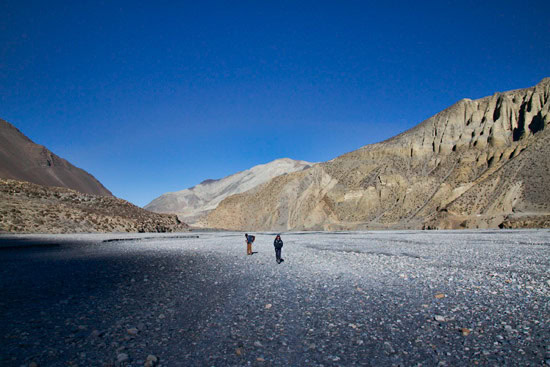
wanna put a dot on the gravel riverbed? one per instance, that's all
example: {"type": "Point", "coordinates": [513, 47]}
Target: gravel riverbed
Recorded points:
{"type": "Point", "coordinates": [402, 298]}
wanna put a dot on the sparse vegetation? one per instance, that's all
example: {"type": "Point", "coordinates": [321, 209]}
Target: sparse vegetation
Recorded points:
{"type": "Point", "coordinates": [26, 207]}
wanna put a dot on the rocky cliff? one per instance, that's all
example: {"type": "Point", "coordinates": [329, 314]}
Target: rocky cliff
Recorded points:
{"type": "Point", "coordinates": [22, 159]}
{"type": "Point", "coordinates": [479, 163]}
{"type": "Point", "coordinates": [194, 203]}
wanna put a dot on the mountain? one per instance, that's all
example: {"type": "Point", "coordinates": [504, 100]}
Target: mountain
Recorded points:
{"type": "Point", "coordinates": [194, 203]}
{"type": "Point", "coordinates": [43, 193]}
{"type": "Point", "coordinates": [29, 208]}
{"type": "Point", "coordinates": [478, 164]}
{"type": "Point", "coordinates": [21, 159]}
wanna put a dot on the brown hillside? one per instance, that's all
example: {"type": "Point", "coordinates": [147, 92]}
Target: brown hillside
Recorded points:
{"type": "Point", "coordinates": [21, 159]}
{"type": "Point", "coordinates": [479, 163]}
{"type": "Point", "coordinates": [31, 208]}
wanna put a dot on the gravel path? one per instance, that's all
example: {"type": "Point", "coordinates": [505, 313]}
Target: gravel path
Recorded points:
{"type": "Point", "coordinates": [358, 298]}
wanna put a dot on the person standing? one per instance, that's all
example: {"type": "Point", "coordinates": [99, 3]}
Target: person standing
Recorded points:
{"type": "Point", "coordinates": [278, 243]}
{"type": "Point", "coordinates": [249, 240]}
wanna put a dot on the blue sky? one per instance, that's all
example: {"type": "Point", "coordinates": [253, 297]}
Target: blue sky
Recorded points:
{"type": "Point", "coordinates": [158, 96]}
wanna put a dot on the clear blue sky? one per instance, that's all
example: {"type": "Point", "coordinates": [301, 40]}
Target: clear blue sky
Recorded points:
{"type": "Point", "coordinates": [157, 97]}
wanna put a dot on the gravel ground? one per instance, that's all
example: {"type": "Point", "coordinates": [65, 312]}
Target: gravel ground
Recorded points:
{"type": "Point", "coordinates": [354, 298]}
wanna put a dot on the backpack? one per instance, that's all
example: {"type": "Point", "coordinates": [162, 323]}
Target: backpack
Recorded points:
{"type": "Point", "coordinates": [251, 238]}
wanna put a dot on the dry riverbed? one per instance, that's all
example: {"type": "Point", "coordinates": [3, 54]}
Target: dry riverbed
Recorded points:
{"type": "Point", "coordinates": [355, 298]}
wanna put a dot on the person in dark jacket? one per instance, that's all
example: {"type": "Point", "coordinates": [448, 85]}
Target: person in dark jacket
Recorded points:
{"type": "Point", "coordinates": [278, 243]}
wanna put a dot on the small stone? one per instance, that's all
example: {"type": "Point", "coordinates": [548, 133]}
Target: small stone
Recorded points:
{"type": "Point", "coordinates": [258, 344]}
{"type": "Point", "coordinates": [120, 349]}
{"type": "Point", "coordinates": [96, 333]}
{"type": "Point", "coordinates": [268, 306]}
{"type": "Point", "coordinates": [260, 359]}
{"type": "Point", "coordinates": [122, 357]}
{"type": "Point", "coordinates": [439, 318]}
{"type": "Point", "coordinates": [465, 331]}
{"type": "Point", "coordinates": [151, 361]}
{"type": "Point", "coordinates": [239, 351]}
{"type": "Point", "coordinates": [33, 364]}
{"type": "Point", "coordinates": [133, 331]}
{"type": "Point", "coordinates": [439, 295]}
{"type": "Point", "coordinates": [388, 347]}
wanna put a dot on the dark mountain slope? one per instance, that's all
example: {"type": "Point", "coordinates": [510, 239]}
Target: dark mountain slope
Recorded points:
{"type": "Point", "coordinates": [21, 159]}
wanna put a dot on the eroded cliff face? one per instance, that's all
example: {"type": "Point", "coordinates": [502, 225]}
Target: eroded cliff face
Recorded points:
{"type": "Point", "coordinates": [479, 163]}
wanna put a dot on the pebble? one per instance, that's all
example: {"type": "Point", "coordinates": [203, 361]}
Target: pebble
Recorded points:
{"type": "Point", "coordinates": [151, 361]}
{"type": "Point", "coordinates": [389, 348]}
{"type": "Point", "coordinates": [96, 333]}
{"type": "Point", "coordinates": [439, 318]}
{"type": "Point", "coordinates": [122, 357]}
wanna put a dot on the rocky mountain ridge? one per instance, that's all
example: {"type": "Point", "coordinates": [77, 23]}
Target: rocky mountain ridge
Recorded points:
{"type": "Point", "coordinates": [22, 159]}
{"type": "Point", "coordinates": [479, 163]}
{"type": "Point", "coordinates": [29, 208]}
{"type": "Point", "coordinates": [194, 203]}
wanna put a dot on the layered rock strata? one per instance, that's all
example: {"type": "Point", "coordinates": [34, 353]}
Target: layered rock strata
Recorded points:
{"type": "Point", "coordinates": [479, 163]}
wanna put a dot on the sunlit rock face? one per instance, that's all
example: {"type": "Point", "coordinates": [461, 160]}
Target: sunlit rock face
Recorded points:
{"type": "Point", "coordinates": [193, 204]}
{"type": "Point", "coordinates": [478, 164]}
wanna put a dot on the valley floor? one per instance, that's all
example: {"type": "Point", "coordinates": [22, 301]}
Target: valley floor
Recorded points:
{"type": "Point", "coordinates": [348, 298]}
